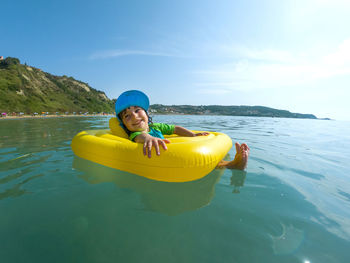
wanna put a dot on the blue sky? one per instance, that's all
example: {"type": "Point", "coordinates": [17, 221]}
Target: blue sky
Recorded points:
{"type": "Point", "coordinates": [291, 54]}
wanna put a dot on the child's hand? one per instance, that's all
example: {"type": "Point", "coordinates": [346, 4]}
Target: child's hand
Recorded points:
{"type": "Point", "coordinates": [150, 142]}
{"type": "Point", "coordinates": [202, 134]}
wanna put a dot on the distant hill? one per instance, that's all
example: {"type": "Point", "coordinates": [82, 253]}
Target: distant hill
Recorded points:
{"type": "Point", "coordinates": [256, 111]}
{"type": "Point", "coordinates": [28, 89]}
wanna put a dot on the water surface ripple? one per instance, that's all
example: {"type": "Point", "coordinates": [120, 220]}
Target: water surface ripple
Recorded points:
{"type": "Point", "coordinates": [291, 205]}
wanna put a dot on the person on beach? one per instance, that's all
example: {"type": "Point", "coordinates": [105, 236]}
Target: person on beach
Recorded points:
{"type": "Point", "coordinates": [131, 110]}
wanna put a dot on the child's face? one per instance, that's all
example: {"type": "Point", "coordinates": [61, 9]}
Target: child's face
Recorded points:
{"type": "Point", "coordinates": [135, 119]}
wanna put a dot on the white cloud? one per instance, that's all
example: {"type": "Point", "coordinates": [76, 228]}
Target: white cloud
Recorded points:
{"type": "Point", "coordinates": [341, 57]}
{"type": "Point", "coordinates": [254, 54]}
{"type": "Point", "coordinates": [276, 69]}
{"type": "Point", "coordinates": [215, 91]}
{"type": "Point", "coordinates": [119, 53]}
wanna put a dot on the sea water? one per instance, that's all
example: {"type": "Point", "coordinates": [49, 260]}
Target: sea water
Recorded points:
{"type": "Point", "coordinates": [291, 205]}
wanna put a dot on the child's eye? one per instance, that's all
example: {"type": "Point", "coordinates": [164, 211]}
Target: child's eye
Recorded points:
{"type": "Point", "coordinates": [126, 116]}
{"type": "Point", "coordinates": [137, 110]}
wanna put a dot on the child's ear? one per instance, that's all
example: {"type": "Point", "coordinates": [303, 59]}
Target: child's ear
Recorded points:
{"type": "Point", "coordinates": [116, 129]}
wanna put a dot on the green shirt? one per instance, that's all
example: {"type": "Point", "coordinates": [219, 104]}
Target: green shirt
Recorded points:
{"type": "Point", "coordinates": [156, 130]}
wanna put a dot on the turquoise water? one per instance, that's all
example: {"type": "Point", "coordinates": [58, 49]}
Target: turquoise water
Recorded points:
{"type": "Point", "coordinates": [292, 204]}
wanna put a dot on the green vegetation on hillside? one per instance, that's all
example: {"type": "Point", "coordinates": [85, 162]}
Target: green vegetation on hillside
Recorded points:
{"type": "Point", "coordinates": [28, 89]}
{"type": "Point", "coordinates": [256, 111]}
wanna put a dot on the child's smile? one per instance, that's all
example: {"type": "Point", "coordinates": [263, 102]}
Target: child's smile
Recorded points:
{"type": "Point", "coordinates": [135, 119]}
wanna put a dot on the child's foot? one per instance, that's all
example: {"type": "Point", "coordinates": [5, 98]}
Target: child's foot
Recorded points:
{"type": "Point", "coordinates": [241, 158]}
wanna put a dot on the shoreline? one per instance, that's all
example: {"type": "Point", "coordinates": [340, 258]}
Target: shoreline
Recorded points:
{"type": "Point", "coordinates": [113, 115]}
{"type": "Point", "coordinates": [51, 116]}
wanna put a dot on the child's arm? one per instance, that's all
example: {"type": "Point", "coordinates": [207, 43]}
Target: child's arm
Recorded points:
{"type": "Point", "coordinates": [149, 142]}
{"type": "Point", "coordinates": [181, 131]}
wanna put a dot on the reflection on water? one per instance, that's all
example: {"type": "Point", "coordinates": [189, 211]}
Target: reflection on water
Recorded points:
{"type": "Point", "coordinates": [164, 197]}
{"type": "Point", "coordinates": [35, 135]}
{"type": "Point", "coordinates": [16, 189]}
{"type": "Point", "coordinates": [28, 144]}
{"type": "Point", "coordinates": [288, 241]}
{"type": "Point", "coordinates": [295, 204]}
{"type": "Point", "coordinates": [237, 180]}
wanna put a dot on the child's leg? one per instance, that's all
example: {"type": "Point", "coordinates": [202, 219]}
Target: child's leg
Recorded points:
{"type": "Point", "coordinates": [241, 158]}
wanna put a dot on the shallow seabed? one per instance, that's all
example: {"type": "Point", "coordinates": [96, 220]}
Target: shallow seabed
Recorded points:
{"type": "Point", "coordinates": [292, 204]}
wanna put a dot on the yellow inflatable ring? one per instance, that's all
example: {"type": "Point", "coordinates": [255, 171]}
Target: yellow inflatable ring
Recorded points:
{"type": "Point", "coordinates": [187, 158]}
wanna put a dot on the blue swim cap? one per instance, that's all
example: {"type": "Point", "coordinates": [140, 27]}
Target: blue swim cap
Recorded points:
{"type": "Point", "coordinates": [131, 98]}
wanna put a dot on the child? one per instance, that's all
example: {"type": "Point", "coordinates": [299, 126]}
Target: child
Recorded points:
{"type": "Point", "coordinates": [131, 110]}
